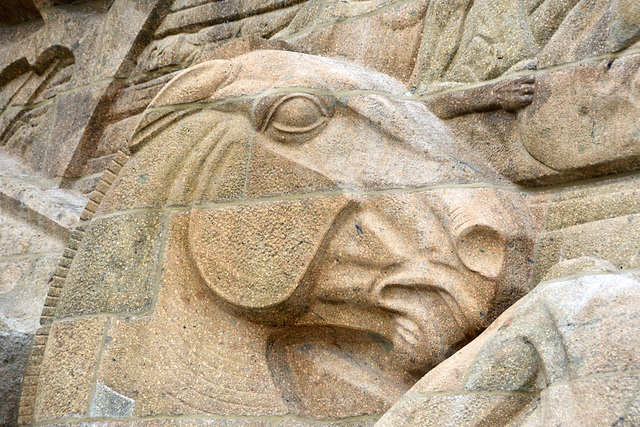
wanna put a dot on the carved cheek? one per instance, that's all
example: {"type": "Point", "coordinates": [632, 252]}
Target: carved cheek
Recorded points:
{"type": "Point", "coordinates": [254, 257]}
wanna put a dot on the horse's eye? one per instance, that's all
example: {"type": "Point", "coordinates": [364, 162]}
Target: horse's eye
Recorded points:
{"type": "Point", "coordinates": [291, 118]}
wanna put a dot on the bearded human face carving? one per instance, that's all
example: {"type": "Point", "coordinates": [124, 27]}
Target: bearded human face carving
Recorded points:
{"type": "Point", "coordinates": [326, 242]}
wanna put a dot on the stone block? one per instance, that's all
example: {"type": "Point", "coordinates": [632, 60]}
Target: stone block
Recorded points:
{"type": "Point", "coordinates": [144, 359]}
{"type": "Point", "coordinates": [68, 368]}
{"type": "Point", "coordinates": [11, 272]}
{"type": "Point", "coordinates": [170, 422]}
{"type": "Point", "coordinates": [106, 403]}
{"type": "Point", "coordinates": [588, 240]}
{"type": "Point", "coordinates": [14, 12]}
{"type": "Point", "coordinates": [334, 29]}
{"type": "Point", "coordinates": [122, 30]}
{"type": "Point", "coordinates": [207, 14]}
{"type": "Point", "coordinates": [200, 158]}
{"type": "Point", "coordinates": [42, 206]}
{"type": "Point", "coordinates": [320, 423]}
{"type": "Point", "coordinates": [116, 136]}
{"type": "Point", "coordinates": [19, 237]}
{"type": "Point", "coordinates": [273, 175]}
{"type": "Point", "coordinates": [14, 349]}
{"type": "Point", "coordinates": [591, 203]}
{"type": "Point", "coordinates": [605, 400]}
{"type": "Point", "coordinates": [632, 416]}
{"type": "Point", "coordinates": [479, 409]}
{"type": "Point", "coordinates": [27, 134]}
{"type": "Point", "coordinates": [67, 146]}
{"type": "Point", "coordinates": [585, 129]}
{"type": "Point", "coordinates": [20, 307]}
{"type": "Point", "coordinates": [115, 268]}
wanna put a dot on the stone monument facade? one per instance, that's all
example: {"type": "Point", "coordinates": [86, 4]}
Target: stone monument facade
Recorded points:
{"type": "Point", "coordinates": [319, 212]}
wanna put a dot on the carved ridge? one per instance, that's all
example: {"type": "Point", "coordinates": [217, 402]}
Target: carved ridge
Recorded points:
{"type": "Point", "coordinates": [36, 354]}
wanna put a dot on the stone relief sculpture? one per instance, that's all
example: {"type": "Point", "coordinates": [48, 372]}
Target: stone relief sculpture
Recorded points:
{"type": "Point", "coordinates": [564, 355]}
{"type": "Point", "coordinates": [327, 304]}
{"type": "Point", "coordinates": [468, 41]}
{"type": "Point", "coordinates": [290, 239]}
{"type": "Point", "coordinates": [451, 44]}
{"type": "Point", "coordinates": [474, 41]}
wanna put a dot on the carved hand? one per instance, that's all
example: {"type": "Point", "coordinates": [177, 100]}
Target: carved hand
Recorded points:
{"type": "Point", "coordinates": [514, 94]}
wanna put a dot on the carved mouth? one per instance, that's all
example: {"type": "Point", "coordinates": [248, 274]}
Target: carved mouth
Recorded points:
{"type": "Point", "coordinates": [421, 310]}
{"type": "Point", "coordinates": [407, 330]}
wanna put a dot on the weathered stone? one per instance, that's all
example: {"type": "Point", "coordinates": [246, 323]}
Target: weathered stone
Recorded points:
{"type": "Point", "coordinates": [442, 410]}
{"type": "Point", "coordinates": [70, 127]}
{"type": "Point", "coordinates": [116, 266]}
{"type": "Point", "coordinates": [301, 423]}
{"type": "Point", "coordinates": [106, 403]}
{"type": "Point", "coordinates": [546, 346]}
{"type": "Point", "coordinates": [55, 212]}
{"type": "Point", "coordinates": [20, 307]}
{"type": "Point", "coordinates": [15, 12]}
{"type": "Point", "coordinates": [125, 26]}
{"type": "Point", "coordinates": [592, 202]}
{"type": "Point", "coordinates": [179, 422]}
{"type": "Point", "coordinates": [585, 129]}
{"type": "Point", "coordinates": [279, 283]}
{"type": "Point", "coordinates": [586, 240]}
{"type": "Point", "coordinates": [159, 184]}
{"type": "Point", "coordinates": [27, 134]}
{"type": "Point", "coordinates": [224, 376]}
{"type": "Point", "coordinates": [68, 368]}
{"type": "Point", "coordinates": [291, 239]}
{"type": "Point", "coordinates": [274, 175]}
{"type": "Point", "coordinates": [197, 47]}
{"type": "Point", "coordinates": [632, 416]}
{"type": "Point", "coordinates": [210, 13]}
{"type": "Point", "coordinates": [335, 29]}
{"type": "Point", "coordinates": [11, 272]}
{"type": "Point", "coordinates": [472, 41]}
{"type": "Point", "coordinates": [14, 348]}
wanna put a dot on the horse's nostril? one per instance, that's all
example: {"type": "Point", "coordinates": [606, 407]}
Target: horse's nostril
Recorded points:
{"type": "Point", "coordinates": [482, 250]}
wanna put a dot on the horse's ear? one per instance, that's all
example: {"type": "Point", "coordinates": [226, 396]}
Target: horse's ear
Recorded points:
{"type": "Point", "coordinates": [195, 84]}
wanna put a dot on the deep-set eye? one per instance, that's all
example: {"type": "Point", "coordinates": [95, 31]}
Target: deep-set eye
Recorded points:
{"type": "Point", "coordinates": [291, 118]}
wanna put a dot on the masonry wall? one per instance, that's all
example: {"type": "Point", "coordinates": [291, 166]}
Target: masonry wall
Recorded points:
{"type": "Point", "coordinates": [75, 79]}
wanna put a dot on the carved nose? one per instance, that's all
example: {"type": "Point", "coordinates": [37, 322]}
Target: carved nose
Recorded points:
{"type": "Point", "coordinates": [390, 293]}
{"type": "Point", "coordinates": [352, 285]}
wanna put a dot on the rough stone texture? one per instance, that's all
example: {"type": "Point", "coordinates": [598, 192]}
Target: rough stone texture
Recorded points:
{"type": "Point", "coordinates": [15, 347]}
{"type": "Point", "coordinates": [574, 239]}
{"type": "Point", "coordinates": [586, 128]}
{"type": "Point", "coordinates": [15, 12]}
{"type": "Point", "coordinates": [335, 29]}
{"type": "Point", "coordinates": [318, 176]}
{"type": "Point", "coordinates": [21, 305]}
{"type": "Point", "coordinates": [169, 423]}
{"type": "Point", "coordinates": [106, 403]}
{"type": "Point", "coordinates": [115, 268]}
{"type": "Point", "coordinates": [471, 41]}
{"type": "Point", "coordinates": [254, 309]}
{"type": "Point", "coordinates": [300, 423]}
{"type": "Point", "coordinates": [154, 374]}
{"type": "Point", "coordinates": [547, 347]}
{"type": "Point", "coordinates": [68, 368]}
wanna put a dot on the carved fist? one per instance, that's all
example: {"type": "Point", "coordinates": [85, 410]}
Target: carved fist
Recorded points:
{"type": "Point", "coordinates": [514, 94]}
